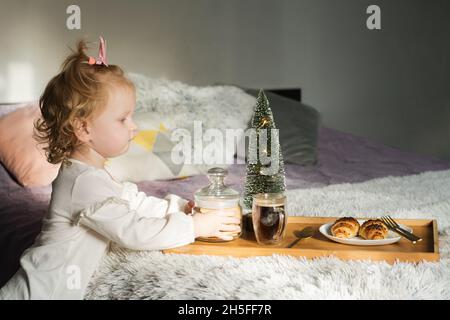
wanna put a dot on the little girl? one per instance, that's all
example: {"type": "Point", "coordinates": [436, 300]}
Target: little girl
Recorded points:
{"type": "Point", "coordinates": [86, 118]}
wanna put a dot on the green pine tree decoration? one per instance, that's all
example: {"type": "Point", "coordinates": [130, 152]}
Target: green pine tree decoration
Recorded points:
{"type": "Point", "coordinates": [262, 176]}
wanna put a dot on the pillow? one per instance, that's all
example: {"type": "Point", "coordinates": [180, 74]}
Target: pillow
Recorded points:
{"type": "Point", "coordinates": [298, 126]}
{"type": "Point", "coordinates": [163, 106]}
{"type": "Point", "coordinates": [149, 156]}
{"type": "Point", "coordinates": [20, 152]}
{"type": "Point", "coordinates": [216, 106]}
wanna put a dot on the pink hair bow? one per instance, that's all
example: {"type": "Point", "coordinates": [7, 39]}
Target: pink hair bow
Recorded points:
{"type": "Point", "coordinates": [101, 54]}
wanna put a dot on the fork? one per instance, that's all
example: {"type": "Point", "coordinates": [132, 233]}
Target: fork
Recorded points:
{"type": "Point", "coordinates": [394, 226]}
{"type": "Point", "coordinates": [398, 227]}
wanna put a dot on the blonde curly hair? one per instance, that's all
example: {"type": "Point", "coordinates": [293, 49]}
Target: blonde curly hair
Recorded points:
{"type": "Point", "coordinates": [77, 92]}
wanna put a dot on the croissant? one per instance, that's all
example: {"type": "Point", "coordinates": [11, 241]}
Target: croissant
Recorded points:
{"type": "Point", "coordinates": [373, 230]}
{"type": "Point", "coordinates": [345, 227]}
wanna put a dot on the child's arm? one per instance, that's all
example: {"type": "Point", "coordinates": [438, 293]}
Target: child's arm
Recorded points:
{"type": "Point", "coordinates": [114, 220]}
{"type": "Point", "coordinates": [99, 205]}
{"type": "Point", "coordinates": [149, 206]}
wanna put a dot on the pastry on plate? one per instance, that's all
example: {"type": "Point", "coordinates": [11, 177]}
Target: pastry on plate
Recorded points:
{"type": "Point", "coordinates": [373, 230]}
{"type": "Point", "coordinates": [346, 227]}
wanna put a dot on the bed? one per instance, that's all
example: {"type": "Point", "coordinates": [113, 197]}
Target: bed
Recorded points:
{"type": "Point", "coordinates": [342, 158]}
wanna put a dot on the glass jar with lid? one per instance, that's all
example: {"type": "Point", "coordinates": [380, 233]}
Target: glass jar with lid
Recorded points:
{"type": "Point", "coordinates": [218, 196]}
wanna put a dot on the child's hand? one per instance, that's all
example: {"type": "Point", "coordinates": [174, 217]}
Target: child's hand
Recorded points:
{"type": "Point", "coordinates": [216, 224]}
{"type": "Point", "coordinates": [189, 206]}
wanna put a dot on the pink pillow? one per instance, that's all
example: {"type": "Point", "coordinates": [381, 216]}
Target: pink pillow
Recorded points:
{"type": "Point", "coordinates": [20, 152]}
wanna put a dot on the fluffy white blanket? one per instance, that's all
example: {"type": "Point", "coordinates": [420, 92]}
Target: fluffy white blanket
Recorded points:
{"type": "Point", "coordinates": [152, 275]}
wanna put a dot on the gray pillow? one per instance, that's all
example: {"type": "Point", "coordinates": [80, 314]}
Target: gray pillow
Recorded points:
{"type": "Point", "coordinates": [299, 128]}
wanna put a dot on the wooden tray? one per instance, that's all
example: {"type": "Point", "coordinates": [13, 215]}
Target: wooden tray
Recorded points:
{"type": "Point", "coordinates": [319, 245]}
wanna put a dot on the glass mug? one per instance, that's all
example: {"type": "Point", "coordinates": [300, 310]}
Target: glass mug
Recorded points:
{"type": "Point", "coordinates": [269, 217]}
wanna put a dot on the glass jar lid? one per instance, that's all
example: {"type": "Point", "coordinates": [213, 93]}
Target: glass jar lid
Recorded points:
{"type": "Point", "coordinates": [217, 193]}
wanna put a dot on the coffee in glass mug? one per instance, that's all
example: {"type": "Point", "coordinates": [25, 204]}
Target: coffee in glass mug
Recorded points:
{"type": "Point", "coordinates": [269, 217]}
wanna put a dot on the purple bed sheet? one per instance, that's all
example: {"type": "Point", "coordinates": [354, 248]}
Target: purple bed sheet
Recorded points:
{"type": "Point", "coordinates": [343, 158]}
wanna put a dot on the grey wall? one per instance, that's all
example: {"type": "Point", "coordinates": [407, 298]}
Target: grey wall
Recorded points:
{"type": "Point", "coordinates": [391, 85]}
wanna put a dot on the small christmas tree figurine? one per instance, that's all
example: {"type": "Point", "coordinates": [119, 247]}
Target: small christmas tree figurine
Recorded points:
{"type": "Point", "coordinates": [265, 166]}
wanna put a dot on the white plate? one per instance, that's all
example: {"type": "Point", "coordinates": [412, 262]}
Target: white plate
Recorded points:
{"type": "Point", "coordinates": [392, 237]}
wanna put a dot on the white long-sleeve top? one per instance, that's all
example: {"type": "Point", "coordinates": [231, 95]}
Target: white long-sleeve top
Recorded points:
{"type": "Point", "coordinates": [88, 209]}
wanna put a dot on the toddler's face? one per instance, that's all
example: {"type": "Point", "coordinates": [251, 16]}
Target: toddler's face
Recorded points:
{"type": "Point", "coordinates": [113, 130]}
